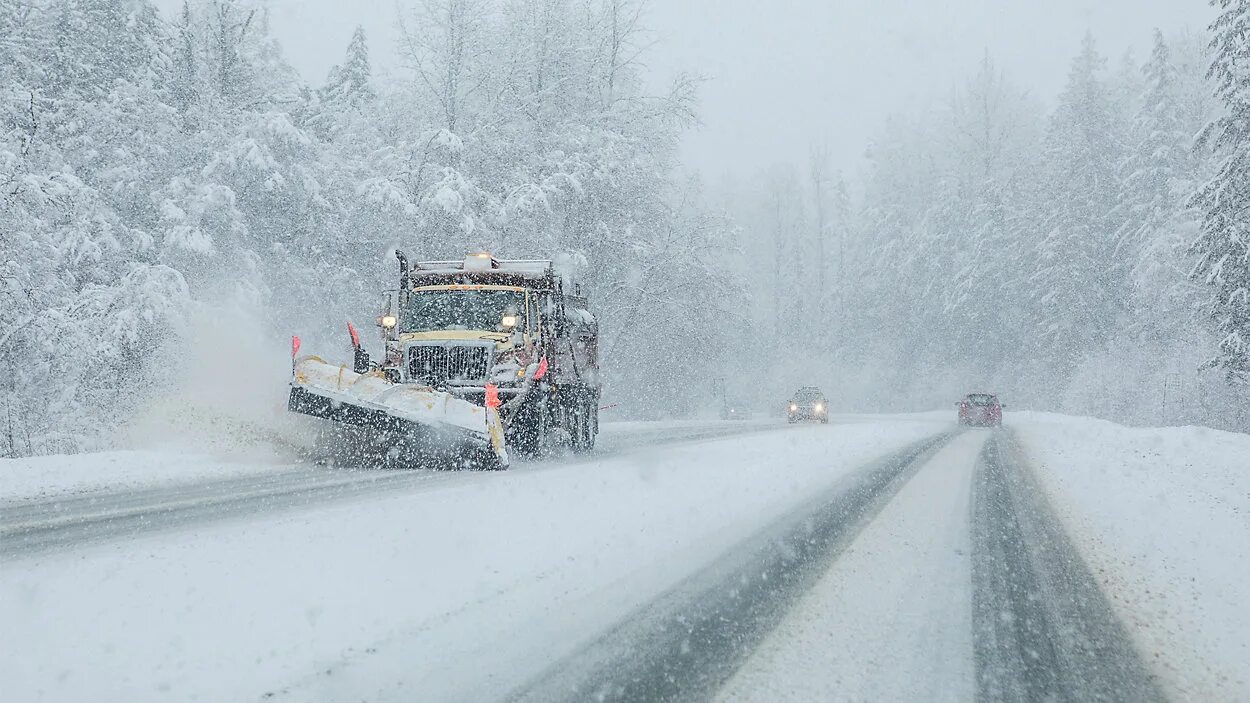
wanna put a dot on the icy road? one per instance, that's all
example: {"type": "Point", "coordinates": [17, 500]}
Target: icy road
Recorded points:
{"type": "Point", "coordinates": [877, 558]}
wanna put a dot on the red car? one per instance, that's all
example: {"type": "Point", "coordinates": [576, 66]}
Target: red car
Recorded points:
{"type": "Point", "coordinates": [981, 409]}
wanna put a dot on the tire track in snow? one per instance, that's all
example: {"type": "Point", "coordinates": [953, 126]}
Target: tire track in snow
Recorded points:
{"type": "Point", "coordinates": [1043, 629]}
{"type": "Point", "coordinates": [687, 643]}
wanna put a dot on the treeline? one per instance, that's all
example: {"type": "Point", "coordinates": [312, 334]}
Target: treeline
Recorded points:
{"type": "Point", "coordinates": [1092, 260]}
{"type": "Point", "coordinates": [156, 171]}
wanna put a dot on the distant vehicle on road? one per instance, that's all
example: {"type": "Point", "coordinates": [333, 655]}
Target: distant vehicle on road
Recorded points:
{"type": "Point", "coordinates": [808, 404]}
{"type": "Point", "coordinates": [735, 411]}
{"type": "Point", "coordinates": [981, 409]}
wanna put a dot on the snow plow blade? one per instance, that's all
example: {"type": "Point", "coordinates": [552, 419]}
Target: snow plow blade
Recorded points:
{"type": "Point", "coordinates": [441, 430]}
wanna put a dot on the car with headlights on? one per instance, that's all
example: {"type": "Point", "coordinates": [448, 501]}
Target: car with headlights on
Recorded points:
{"type": "Point", "coordinates": [808, 404]}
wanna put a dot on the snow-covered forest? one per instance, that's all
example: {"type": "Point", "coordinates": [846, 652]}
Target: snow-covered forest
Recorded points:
{"type": "Point", "coordinates": [175, 196]}
{"type": "Point", "coordinates": [1089, 257]}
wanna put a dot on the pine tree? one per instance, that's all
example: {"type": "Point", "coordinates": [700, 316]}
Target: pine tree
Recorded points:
{"type": "Point", "coordinates": [990, 136]}
{"type": "Point", "coordinates": [1157, 180]}
{"type": "Point", "coordinates": [1223, 249]}
{"type": "Point", "coordinates": [349, 82]}
{"type": "Point", "coordinates": [1158, 159]}
{"type": "Point", "coordinates": [1079, 283]}
{"type": "Point", "coordinates": [339, 105]}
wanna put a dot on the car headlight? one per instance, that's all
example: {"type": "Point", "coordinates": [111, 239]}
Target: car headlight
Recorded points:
{"type": "Point", "coordinates": [793, 407]}
{"type": "Point", "coordinates": [820, 407]}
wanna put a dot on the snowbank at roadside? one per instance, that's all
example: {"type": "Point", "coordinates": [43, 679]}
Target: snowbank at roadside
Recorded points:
{"type": "Point", "coordinates": [1162, 516]}
{"type": "Point", "coordinates": [48, 477]}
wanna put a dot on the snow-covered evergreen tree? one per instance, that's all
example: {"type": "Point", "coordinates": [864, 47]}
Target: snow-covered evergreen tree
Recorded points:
{"type": "Point", "coordinates": [1157, 163]}
{"type": "Point", "coordinates": [1079, 284]}
{"type": "Point", "coordinates": [349, 83]}
{"type": "Point", "coordinates": [1045, 260]}
{"type": "Point", "coordinates": [1223, 249]}
{"type": "Point", "coordinates": [154, 172]}
{"type": "Point", "coordinates": [1155, 223]}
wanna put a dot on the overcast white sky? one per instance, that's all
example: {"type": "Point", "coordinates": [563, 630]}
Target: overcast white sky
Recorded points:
{"type": "Point", "coordinates": [786, 74]}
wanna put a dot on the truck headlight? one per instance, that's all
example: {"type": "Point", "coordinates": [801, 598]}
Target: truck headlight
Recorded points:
{"type": "Point", "coordinates": [820, 407]}
{"type": "Point", "coordinates": [387, 321]}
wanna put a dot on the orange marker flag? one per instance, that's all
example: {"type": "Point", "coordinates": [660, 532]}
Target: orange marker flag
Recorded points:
{"type": "Point", "coordinates": [351, 329]}
{"type": "Point", "coordinates": [492, 395]}
{"type": "Point", "coordinates": [542, 369]}
{"type": "Point", "coordinates": [294, 345]}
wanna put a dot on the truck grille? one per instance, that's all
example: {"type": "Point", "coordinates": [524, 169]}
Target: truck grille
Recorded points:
{"type": "Point", "coordinates": [438, 364]}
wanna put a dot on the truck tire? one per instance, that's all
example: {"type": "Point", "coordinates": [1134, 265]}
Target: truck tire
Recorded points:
{"type": "Point", "coordinates": [592, 425]}
{"type": "Point", "coordinates": [577, 432]}
{"type": "Point", "coordinates": [528, 429]}
{"type": "Point", "coordinates": [583, 430]}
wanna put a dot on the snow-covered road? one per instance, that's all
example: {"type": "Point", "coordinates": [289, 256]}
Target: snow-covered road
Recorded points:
{"type": "Point", "coordinates": [153, 492]}
{"type": "Point", "coordinates": [462, 584]}
{"type": "Point", "coordinates": [892, 618]}
{"type": "Point", "coordinates": [877, 558]}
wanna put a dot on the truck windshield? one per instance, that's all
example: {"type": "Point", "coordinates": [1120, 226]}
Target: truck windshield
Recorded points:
{"type": "Point", "coordinates": [475, 309]}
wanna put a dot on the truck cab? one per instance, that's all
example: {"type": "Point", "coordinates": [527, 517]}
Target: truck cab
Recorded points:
{"type": "Point", "coordinates": [511, 333]}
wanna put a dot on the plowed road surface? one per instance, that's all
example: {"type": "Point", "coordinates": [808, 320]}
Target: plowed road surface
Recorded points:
{"type": "Point", "coordinates": [876, 558]}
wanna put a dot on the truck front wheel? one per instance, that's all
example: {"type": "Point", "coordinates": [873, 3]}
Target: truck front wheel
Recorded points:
{"type": "Point", "coordinates": [526, 432]}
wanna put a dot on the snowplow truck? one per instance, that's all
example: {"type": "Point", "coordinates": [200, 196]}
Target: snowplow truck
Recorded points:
{"type": "Point", "coordinates": [510, 341]}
